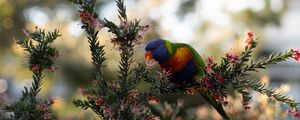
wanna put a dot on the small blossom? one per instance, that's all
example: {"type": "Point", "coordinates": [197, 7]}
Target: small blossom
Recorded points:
{"type": "Point", "coordinates": [99, 101]}
{"type": "Point", "coordinates": [246, 104]}
{"type": "Point", "coordinates": [225, 103]}
{"type": "Point", "coordinates": [219, 77]}
{"type": "Point", "coordinates": [114, 85]}
{"type": "Point", "coordinates": [206, 82]}
{"type": "Point", "coordinates": [138, 108]}
{"type": "Point", "coordinates": [190, 91]}
{"type": "Point", "coordinates": [50, 102]}
{"type": "Point", "coordinates": [216, 95]}
{"type": "Point", "coordinates": [289, 111]}
{"type": "Point", "coordinates": [124, 104]}
{"type": "Point", "coordinates": [47, 116]}
{"type": "Point", "coordinates": [205, 78]}
{"type": "Point", "coordinates": [166, 73]}
{"type": "Point", "coordinates": [231, 56]}
{"type": "Point", "coordinates": [150, 63]}
{"type": "Point", "coordinates": [54, 56]}
{"type": "Point", "coordinates": [153, 100]}
{"type": "Point", "coordinates": [35, 68]}
{"type": "Point", "coordinates": [247, 107]}
{"type": "Point", "coordinates": [142, 31]}
{"type": "Point", "coordinates": [125, 24]}
{"type": "Point", "coordinates": [85, 15]}
{"type": "Point", "coordinates": [132, 95]}
{"type": "Point", "coordinates": [294, 113]}
{"type": "Point", "coordinates": [209, 63]}
{"type": "Point", "coordinates": [83, 91]}
{"type": "Point", "coordinates": [97, 23]}
{"type": "Point", "coordinates": [26, 32]}
{"type": "Point", "coordinates": [210, 84]}
{"type": "Point", "coordinates": [90, 19]}
{"type": "Point", "coordinates": [51, 68]}
{"type": "Point", "coordinates": [108, 111]}
{"type": "Point", "coordinates": [42, 107]}
{"type": "Point", "coordinates": [296, 55]}
{"type": "Point", "coordinates": [249, 37]}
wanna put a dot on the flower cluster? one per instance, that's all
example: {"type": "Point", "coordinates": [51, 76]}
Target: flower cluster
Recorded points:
{"type": "Point", "coordinates": [38, 62]}
{"type": "Point", "coordinates": [296, 55]}
{"type": "Point", "coordinates": [213, 81]}
{"type": "Point", "coordinates": [249, 37]}
{"type": "Point", "coordinates": [295, 113]}
{"type": "Point", "coordinates": [34, 68]}
{"type": "Point", "coordinates": [142, 31]}
{"type": "Point", "coordinates": [90, 19]}
{"type": "Point", "coordinates": [150, 63]}
{"type": "Point", "coordinates": [44, 108]}
{"type": "Point", "coordinates": [209, 63]}
{"type": "Point", "coordinates": [234, 67]}
{"type": "Point", "coordinates": [231, 56]}
{"type": "Point", "coordinates": [153, 100]}
{"type": "Point", "coordinates": [111, 109]}
{"type": "Point", "coordinates": [132, 29]}
{"type": "Point", "coordinates": [40, 56]}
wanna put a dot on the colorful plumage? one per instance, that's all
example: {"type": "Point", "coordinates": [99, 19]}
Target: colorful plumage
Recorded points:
{"type": "Point", "coordinates": [184, 63]}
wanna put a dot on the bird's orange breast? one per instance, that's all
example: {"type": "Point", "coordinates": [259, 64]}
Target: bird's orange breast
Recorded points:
{"type": "Point", "coordinates": [178, 61]}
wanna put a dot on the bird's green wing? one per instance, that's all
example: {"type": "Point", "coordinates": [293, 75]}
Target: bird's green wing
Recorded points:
{"type": "Point", "coordinates": [196, 57]}
{"type": "Point", "coordinates": [218, 106]}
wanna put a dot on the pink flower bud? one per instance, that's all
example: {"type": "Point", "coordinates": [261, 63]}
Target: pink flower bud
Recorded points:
{"type": "Point", "coordinates": [296, 55]}
{"type": "Point", "coordinates": [249, 37]}
{"type": "Point", "coordinates": [35, 68]}
{"type": "Point", "coordinates": [231, 56]}
{"type": "Point", "coordinates": [99, 101]}
{"type": "Point", "coordinates": [153, 100]}
{"type": "Point", "coordinates": [296, 115]}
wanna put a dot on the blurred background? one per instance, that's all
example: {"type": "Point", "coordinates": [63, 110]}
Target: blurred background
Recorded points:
{"type": "Point", "coordinates": [212, 27]}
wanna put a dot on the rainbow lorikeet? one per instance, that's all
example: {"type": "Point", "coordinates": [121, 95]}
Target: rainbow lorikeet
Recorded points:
{"type": "Point", "coordinates": [184, 63]}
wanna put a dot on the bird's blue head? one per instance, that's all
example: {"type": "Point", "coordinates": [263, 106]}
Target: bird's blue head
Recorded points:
{"type": "Point", "coordinates": [157, 50]}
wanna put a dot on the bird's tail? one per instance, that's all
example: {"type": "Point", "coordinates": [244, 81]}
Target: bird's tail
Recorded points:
{"type": "Point", "coordinates": [218, 106]}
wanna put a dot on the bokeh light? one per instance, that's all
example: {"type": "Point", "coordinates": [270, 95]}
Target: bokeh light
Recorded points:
{"type": "Point", "coordinates": [3, 85]}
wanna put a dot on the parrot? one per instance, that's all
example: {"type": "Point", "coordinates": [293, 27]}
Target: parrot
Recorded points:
{"type": "Point", "coordinates": [184, 63]}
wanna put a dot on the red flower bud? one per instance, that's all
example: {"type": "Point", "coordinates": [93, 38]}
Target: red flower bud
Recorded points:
{"type": "Point", "coordinates": [99, 101]}
{"type": "Point", "coordinates": [249, 37]}
{"type": "Point", "coordinates": [296, 55]}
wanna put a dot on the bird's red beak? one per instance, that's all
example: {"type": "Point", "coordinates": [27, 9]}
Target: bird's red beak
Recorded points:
{"type": "Point", "coordinates": [148, 55]}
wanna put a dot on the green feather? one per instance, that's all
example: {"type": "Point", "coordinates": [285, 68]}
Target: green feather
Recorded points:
{"type": "Point", "coordinates": [172, 47]}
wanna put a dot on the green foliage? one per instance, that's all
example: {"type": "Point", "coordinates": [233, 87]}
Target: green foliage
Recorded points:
{"type": "Point", "coordinates": [40, 56]}
{"type": "Point", "coordinates": [120, 99]}
{"type": "Point", "coordinates": [232, 72]}
{"type": "Point", "coordinates": [38, 50]}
